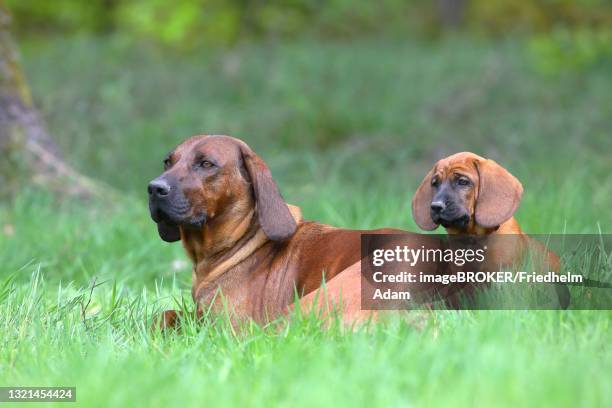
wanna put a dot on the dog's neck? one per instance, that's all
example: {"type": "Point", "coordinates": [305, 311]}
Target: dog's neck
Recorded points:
{"type": "Point", "coordinates": [224, 243]}
{"type": "Point", "coordinates": [509, 227]}
{"type": "Point", "coordinates": [219, 234]}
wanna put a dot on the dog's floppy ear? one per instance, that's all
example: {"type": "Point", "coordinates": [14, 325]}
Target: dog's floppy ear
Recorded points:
{"type": "Point", "coordinates": [168, 232]}
{"type": "Point", "coordinates": [272, 211]}
{"type": "Point", "coordinates": [499, 194]}
{"type": "Point", "coordinates": [421, 204]}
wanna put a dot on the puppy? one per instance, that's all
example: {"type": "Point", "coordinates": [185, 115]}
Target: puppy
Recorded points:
{"type": "Point", "coordinates": [470, 195]}
{"type": "Point", "coordinates": [467, 195]}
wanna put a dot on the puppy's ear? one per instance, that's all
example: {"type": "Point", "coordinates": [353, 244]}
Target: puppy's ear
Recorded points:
{"type": "Point", "coordinates": [421, 204]}
{"type": "Point", "coordinates": [272, 211]}
{"type": "Point", "coordinates": [499, 194]}
{"type": "Point", "coordinates": [168, 232]}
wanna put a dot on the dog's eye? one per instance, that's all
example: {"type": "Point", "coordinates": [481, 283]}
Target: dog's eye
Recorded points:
{"type": "Point", "coordinates": [206, 164]}
{"type": "Point", "coordinates": [167, 163]}
{"type": "Point", "coordinates": [435, 182]}
{"type": "Point", "coordinates": [463, 182]}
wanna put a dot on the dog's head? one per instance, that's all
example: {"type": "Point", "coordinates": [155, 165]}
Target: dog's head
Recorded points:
{"type": "Point", "coordinates": [207, 176]}
{"type": "Point", "coordinates": [463, 191]}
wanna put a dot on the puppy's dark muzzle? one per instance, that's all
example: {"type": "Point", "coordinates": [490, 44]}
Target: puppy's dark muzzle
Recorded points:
{"type": "Point", "coordinates": [459, 221]}
{"type": "Point", "coordinates": [448, 215]}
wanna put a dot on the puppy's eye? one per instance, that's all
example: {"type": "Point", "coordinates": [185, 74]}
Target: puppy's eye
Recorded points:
{"type": "Point", "coordinates": [463, 182]}
{"type": "Point", "coordinates": [167, 163]}
{"type": "Point", "coordinates": [435, 182]}
{"type": "Point", "coordinates": [206, 164]}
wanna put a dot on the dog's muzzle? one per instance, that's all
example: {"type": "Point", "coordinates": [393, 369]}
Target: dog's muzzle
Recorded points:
{"type": "Point", "coordinates": [167, 203]}
{"type": "Point", "coordinates": [448, 215]}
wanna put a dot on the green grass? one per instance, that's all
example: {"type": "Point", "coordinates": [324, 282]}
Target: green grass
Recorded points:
{"type": "Point", "coordinates": [470, 358]}
{"type": "Point", "coordinates": [349, 131]}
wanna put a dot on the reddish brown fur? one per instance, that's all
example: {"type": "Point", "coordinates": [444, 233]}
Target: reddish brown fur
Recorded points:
{"type": "Point", "coordinates": [491, 203]}
{"type": "Point", "coordinates": [494, 200]}
{"type": "Point", "coordinates": [252, 248]}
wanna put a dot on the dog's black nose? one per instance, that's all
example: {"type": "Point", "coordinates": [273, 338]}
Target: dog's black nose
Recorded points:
{"type": "Point", "coordinates": [437, 207]}
{"type": "Point", "coordinates": [158, 188]}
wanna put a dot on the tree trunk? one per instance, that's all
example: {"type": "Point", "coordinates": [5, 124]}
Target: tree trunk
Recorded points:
{"type": "Point", "coordinates": [28, 152]}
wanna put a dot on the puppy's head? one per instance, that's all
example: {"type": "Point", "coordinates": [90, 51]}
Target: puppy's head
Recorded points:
{"type": "Point", "coordinates": [463, 191]}
{"type": "Point", "coordinates": [207, 176]}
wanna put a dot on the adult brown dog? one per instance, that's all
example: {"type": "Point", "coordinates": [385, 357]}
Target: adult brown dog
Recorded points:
{"type": "Point", "coordinates": [248, 247]}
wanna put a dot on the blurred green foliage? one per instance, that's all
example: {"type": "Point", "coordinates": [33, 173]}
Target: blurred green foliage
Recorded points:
{"type": "Point", "coordinates": [188, 22]}
{"type": "Point", "coordinates": [563, 34]}
{"type": "Point", "coordinates": [570, 50]}
{"type": "Point", "coordinates": [361, 110]}
{"type": "Point", "coordinates": [537, 16]}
